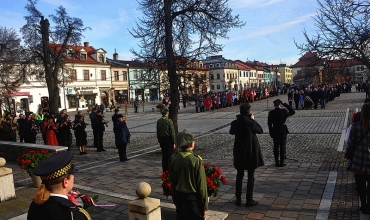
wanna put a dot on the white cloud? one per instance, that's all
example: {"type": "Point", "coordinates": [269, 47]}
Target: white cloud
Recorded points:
{"type": "Point", "coordinates": [122, 16]}
{"type": "Point", "coordinates": [264, 31]}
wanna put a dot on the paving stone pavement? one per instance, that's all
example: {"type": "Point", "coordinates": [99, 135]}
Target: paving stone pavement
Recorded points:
{"type": "Point", "coordinates": [297, 191]}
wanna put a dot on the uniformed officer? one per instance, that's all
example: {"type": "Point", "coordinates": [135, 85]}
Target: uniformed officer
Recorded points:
{"type": "Point", "coordinates": [278, 129]}
{"type": "Point", "coordinates": [166, 137]}
{"type": "Point", "coordinates": [188, 180]}
{"type": "Point", "coordinates": [51, 201]}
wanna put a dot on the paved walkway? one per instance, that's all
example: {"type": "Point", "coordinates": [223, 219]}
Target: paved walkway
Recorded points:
{"type": "Point", "coordinates": [313, 185]}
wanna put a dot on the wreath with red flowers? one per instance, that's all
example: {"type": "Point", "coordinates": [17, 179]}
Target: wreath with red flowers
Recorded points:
{"type": "Point", "coordinates": [213, 178]}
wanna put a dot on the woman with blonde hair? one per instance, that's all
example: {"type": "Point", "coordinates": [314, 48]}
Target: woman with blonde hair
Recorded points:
{"type": "Point", "coordinates": [51, 201]}
{"type": "Point", "coordinates": [359, 148]}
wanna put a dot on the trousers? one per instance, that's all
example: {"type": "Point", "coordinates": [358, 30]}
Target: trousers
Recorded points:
{"type": "Point", "coordinates": [279, 148]}
{"type": "Point", "coordinates": [188, 206]}
{"type": "Point", "coordinates": [239, 182]}
{"type": "Point", "coordinates": [167, 151]}
{"type": "Point", "coordinates": [122, 151]}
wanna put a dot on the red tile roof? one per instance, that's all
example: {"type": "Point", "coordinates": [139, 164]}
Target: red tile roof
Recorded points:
{"type": "Point", "coordinates": [76, 59]}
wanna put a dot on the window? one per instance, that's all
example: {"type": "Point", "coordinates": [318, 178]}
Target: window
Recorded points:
{"type": "Point", "coordinates": [101, 58]}
{"type": "Point", "coordinates": [83, 56]}
{"type": "Point", "coordinates": [124, 74]}
{"type": "Point", "coordinates": [212, 87]}
{"type": "Point", "coordinates": [240, 74]}
{"type": "Point", "coordinates": [135, 74]}
{"type": "Point", "coordinates": [362, 68]}
{"type": "Point", "coordinates": [218, 76]}
{"type": "Point", "coordinates": [116, 76]}
{"type": "Point", "coordinates": [86, 75]}
{"type": "Point", "coordinates": [211, 76]}
{"type": "Point", "coordinates": [103, 75]}
{"type": "Point", "coordinates": [358, 68]}
{"type": "Point", "coordinates": [73, 75]}
{"type": "Point", "coordinates": [217, 65]}
{"type": "Point", "coordinates": [211, 66]}
{"type": "Point", "coordinates": [70, 54]}
{"type": "Point", "coordinates": [227, 76]}
{"type": "Point", "coordinates": [218, 87]}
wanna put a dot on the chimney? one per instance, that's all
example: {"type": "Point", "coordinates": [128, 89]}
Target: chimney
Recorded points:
{"type": "Point", "coordinates": [86, 44]}
{"type": "Point", "coordinates": [115, 55]}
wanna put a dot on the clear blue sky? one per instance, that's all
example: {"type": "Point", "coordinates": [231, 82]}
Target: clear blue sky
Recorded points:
{"type": "Point", "coordinates": [271, 25]}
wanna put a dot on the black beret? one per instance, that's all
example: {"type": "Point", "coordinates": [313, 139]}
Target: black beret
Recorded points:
{"type": "Point", "coordinates": [55, 166]}
{"type": "Point", "coordinates": [98, 111]}
{"type": "Point", "coordinates": [120, 116]}
{"type": "Point", "coordinates": [116, 110]}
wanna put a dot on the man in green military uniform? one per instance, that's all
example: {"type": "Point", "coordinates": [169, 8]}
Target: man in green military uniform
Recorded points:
{"type": "Point", "coordinates": [166, 138]}
{"type": "Point", "coordinates": [188, 178]}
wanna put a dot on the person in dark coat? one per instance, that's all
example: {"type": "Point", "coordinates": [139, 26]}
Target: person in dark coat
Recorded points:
{"type": "Point", "coordinates": [278, 129]}
{"type": "Point", "coordinates": [30, 130]}
{"type": "Point", "coordinates": [99, 128]}
{"type": "Point", "coordinates": [79, 127]}
{"type": "Point", "coordinates": [322, 97]}
{"type": "Point", "coordinates": [122, 137]}
{"type": "Point", "coordinates": [247, 151]}
{"type": "Point", "coordinates": [290, 97]}
{"type": "Point", "coordinates": [296, 99]}
{"type": "Point", "coordinates": [115, 117]}
{"type": "Point", "coordinates": [8, 133]}
{"type": "Point", "coordinates": [64, 132]}
{"type": "Point", "coordinates": [21, 122]}
{"type": "Point", "coordinates": [315, 97]}
{"type": "Point", "coordinates": [51, 201]}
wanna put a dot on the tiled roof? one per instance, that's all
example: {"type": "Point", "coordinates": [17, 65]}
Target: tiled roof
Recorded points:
{"type": "Point", "coordinates": [309, 60]}
{"type": "Point", "coordinates": [242, 66]}
{"type": "Point", "coordinates": [76, 49]}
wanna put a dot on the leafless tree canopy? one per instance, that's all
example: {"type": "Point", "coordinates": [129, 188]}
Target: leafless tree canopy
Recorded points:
{"type": "Point", "coordinates": [13, 67]}
{"type": "Point", "coordinates": [343, 31]}
{"type": "Point", "coordinates": [47, 44]}
{"type": "Point", "coordinates": [187, 28]}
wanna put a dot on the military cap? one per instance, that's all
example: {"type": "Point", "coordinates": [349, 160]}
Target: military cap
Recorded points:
{"type": "Point", "coordinates": [8, 119]}
{"type": "Point", "coordinates": [55, 166]}
{"type": "Point", "coordinates": [184, 139]}
{"type": "Point", "coordinates": [164, 110]}
{"type": "Point", "coordinates": [120, 116]}
{"type": "Point", "coordinates": [98, 111]}
{"type": "Point", "coordinates": [116, 110]}
{"type": "Point", "coordinates": [277, 102]}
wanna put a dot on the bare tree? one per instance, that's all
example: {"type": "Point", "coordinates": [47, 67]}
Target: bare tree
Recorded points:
{"type": "Point", "coordinates": [343, 31]}
{"type": "Point", "coordinates": [187, 28]}
{"type": "Point", "coordinates": [13, 65]}
{"type": "Point", "coordinates": [48, 44]}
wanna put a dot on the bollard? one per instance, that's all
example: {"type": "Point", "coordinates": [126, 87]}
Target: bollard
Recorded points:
{"type": "Point", "coordinates": [153, 110]}
{"type": "Point", "coordinates": [144, 208]}
{"type": "Point", "coordinates": [7, 190]}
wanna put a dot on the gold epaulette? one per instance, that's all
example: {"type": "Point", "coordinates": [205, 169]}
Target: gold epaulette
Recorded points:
{"type": "Point", "coordinates": [83, 211]}
{"type": "Point", "coordinates": [198, 156]}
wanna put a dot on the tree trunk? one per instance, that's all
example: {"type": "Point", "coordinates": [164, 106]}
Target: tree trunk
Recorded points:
{"type": "Point", "coordinates": [51, 74]}
{"type": "Point", "coordinates": [171, 65]}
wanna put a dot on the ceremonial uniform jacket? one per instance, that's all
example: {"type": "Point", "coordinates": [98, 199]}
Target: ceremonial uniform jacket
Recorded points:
{"type": "Point", "coordinates": [165, 129]}
{"type": "Point", "coordinates": [276, 121]}
{"type": "Point", "coordinates": [188, 175]}
{"type": "Point", "coordinates": [57, 208]}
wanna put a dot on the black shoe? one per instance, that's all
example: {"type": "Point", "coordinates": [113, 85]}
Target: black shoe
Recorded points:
{"type": "Point", "coordinates": [277, 165]}
{"type": "Point", "coordinates": [98, 151]}
{"type": "Point", "coordinates": [84, 152]}
{"type": "Point", "coordinates": [127, 159]}
{"type": "Point", "coordinates": [238, 201]}
{"type": "Point", "coordinates": [282, 165]}
{"type": "Point", "coordinates": [81, 153]}
{"type": "Point", "coordinates": [102, 149]}
{"type": "Point", "coordinates": [251, 203]}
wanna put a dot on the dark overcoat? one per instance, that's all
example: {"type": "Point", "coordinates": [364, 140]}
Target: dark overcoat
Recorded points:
{"type": "Point", "coordinates": [247, 150]}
